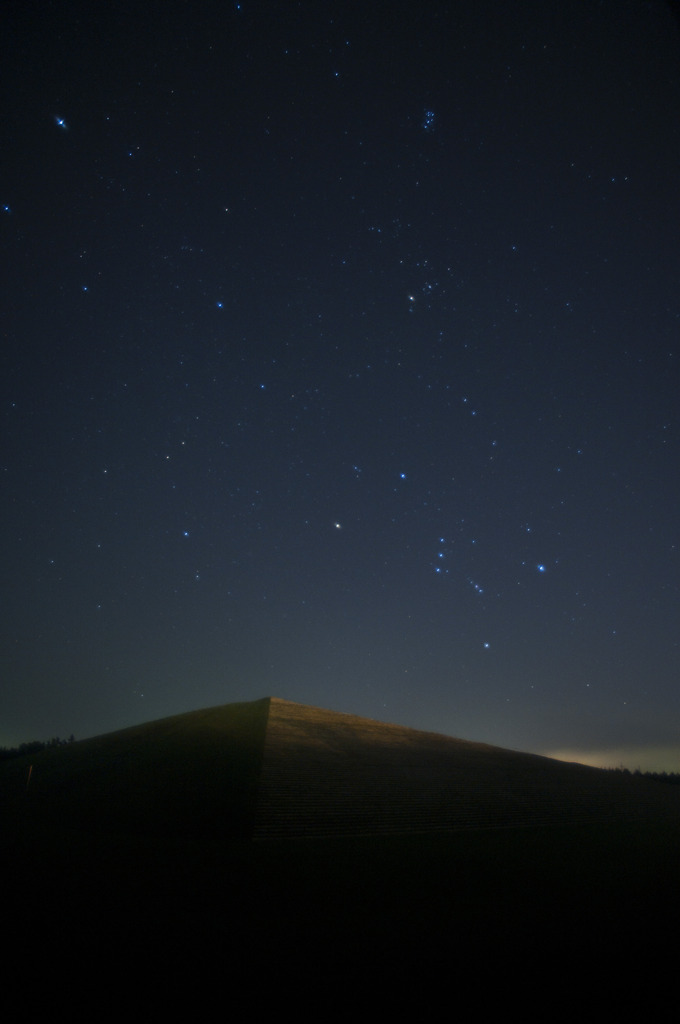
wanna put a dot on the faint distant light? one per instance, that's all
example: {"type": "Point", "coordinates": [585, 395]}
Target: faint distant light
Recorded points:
{"type": "Point", "coordinates": [487, 645]}
{"type": "Point", "coordinates": [402, 476]}
{"type": "Point", "coordinates": [220, 305]}
{"type": "Point", "coordinates": [186, 533]}
{"type": "Point", "coordinates": [540, 568]}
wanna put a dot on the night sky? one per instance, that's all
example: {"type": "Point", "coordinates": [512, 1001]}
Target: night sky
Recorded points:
{"type": "Point", "coordinates": [340, 363]}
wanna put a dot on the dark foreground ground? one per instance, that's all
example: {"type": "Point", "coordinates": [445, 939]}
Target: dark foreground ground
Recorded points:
{"type": "Point", "coordinates": [530, 914]}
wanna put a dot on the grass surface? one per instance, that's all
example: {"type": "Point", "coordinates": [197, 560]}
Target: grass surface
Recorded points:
{"type": "Point", "coordinates": [126, 859]}
{"type": "Point", "coordinates": [189, 774]}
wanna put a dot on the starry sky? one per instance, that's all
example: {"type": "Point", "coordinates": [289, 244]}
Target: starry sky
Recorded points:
{"type": "Point", "coordinates": [340, 363]}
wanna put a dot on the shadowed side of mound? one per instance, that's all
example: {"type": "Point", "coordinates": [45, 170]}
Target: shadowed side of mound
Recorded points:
{"type": "Point", "coordinates": [190, 776]}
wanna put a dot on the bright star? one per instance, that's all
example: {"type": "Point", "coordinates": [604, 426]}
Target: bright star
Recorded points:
{"type": "Point", "coordinates": [61, 123]}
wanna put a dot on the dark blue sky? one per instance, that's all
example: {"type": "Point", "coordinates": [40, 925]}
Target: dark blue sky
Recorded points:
{"type": "Point", "coordinates": [340, 363]}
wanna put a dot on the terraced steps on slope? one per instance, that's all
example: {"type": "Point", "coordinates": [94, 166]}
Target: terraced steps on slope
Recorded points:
{"type": "Point", "coordinates": [325, 773]}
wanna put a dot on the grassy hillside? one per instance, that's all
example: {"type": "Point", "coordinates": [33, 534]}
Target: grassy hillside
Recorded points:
{"type": "Point", "coordinates": [328, 773]}
{"type": "Point", "coordinates": [128, 857]}
{"type": "Point", "coordinates": [193, 773]}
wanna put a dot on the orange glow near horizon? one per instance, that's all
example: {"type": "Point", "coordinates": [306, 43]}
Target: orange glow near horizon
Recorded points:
{"type": "Point", "coordinates": [644, 759]}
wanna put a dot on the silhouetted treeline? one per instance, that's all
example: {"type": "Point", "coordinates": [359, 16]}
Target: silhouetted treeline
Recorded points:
{"type": "Point", "coordinates": [33, 746]}
{"type": "Point", "coordinates": [672, 777]}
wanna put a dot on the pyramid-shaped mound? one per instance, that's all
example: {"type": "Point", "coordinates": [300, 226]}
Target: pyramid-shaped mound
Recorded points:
{"type": "Point", "coordinates": [140, 844]}
{"type": "Point", "coordinates": [275, 769]}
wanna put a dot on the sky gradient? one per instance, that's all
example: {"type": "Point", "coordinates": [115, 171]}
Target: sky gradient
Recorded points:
{"type": "Point", "coordinates": [340, 364]}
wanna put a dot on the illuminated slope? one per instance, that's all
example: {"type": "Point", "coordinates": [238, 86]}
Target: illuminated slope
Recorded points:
{"type": "Point", "coordinates": [326, 773]}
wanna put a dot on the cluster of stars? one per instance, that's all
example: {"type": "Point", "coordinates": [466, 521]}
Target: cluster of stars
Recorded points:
{"type": "Point", "coordinates": [344, 350]}
{"type": "Point", "coordinates": [429, 120]}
